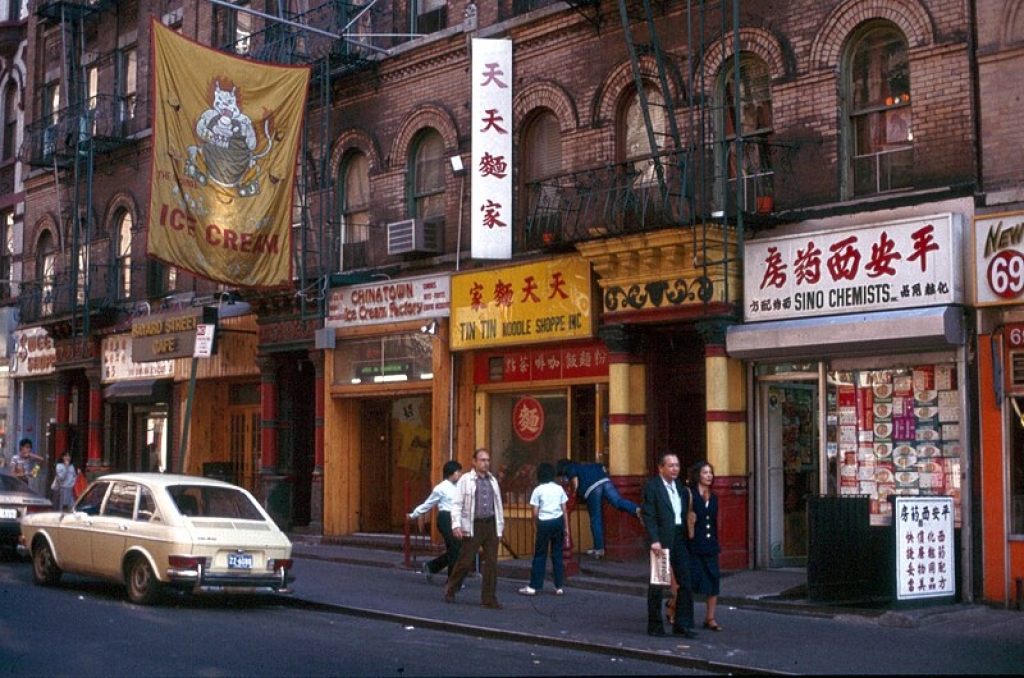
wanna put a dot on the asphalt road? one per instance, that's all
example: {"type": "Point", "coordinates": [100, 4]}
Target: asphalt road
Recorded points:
{"type": "Point", "coordinates": [86, 628]}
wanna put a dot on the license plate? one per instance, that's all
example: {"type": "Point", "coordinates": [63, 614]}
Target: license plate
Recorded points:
{"type": "Point", "coordinates": [240, 561]}
{"type": "Point", "coordinates": [9, 513]}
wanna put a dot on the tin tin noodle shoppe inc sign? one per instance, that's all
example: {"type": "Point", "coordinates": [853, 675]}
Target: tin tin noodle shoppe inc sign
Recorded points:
{"type": "Point", "coordinates": [924, 547]}
{"type": "Point", "coordinates": [900, 264]}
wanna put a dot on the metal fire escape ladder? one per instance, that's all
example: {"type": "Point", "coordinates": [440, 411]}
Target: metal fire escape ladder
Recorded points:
{"type": "Point", "coordinates": [659, 142]}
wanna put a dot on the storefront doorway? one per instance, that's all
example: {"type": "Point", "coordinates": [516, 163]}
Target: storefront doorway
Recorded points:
{"type": "Point", "coordinates": [790, 450]}
{"type": "Point", "coordinates": [395, 440]}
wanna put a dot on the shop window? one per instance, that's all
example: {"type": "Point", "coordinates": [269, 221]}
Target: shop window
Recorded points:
{"type": "Point", "coordinates": [879, 132]}
{"type": "Point", "coordinates": [895, 432]}
{"type": "Point", "coordinates": [528, 428]}
{"type": "Point", "coordinates": [384, 359]}
{"type": "Point", "coordinates": [1017, 473]}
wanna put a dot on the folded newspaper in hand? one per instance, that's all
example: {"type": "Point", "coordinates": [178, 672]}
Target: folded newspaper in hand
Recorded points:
{"type": "Point", "coordinates": [661, 570]}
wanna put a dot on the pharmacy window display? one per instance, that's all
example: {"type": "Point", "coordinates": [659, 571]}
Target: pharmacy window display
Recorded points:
{"type": "Point", "coordinates": [895, 432]}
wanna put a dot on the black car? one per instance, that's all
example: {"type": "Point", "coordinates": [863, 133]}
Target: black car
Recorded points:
{"type": "Point", "coordinates": [16, 500]}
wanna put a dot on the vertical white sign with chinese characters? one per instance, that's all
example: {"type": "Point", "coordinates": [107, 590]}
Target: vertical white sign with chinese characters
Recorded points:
{"type": "Point", "coordinates": [491, 183]}
{"type": "Point", "coordinates": [924, 547]}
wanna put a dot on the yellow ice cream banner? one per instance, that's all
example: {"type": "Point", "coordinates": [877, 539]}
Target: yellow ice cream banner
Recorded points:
{"type": "Point", "coordinates": [532, 303]}
{"type": "Point", "coordinates": [226, 133]}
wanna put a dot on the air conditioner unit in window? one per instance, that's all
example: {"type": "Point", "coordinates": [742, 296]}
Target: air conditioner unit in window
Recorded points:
{"type": "Point", "coordinates": [414, 235]}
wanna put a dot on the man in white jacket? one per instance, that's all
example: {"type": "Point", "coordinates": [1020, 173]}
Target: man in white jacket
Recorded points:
{"type": "Point", "coordinates": [478, 520]}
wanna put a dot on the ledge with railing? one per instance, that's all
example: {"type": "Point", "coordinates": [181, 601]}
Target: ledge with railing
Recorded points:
{"type": "Point", "coordinates": [104, 121]}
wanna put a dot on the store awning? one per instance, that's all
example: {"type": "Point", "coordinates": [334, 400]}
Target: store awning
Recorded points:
{"type": "Point", "coordinates": [919, 329]}
{"type": "Point", "coordinates": [139, 391]}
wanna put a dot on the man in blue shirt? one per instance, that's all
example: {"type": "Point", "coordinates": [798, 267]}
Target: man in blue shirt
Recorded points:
{"type": "Point", "coordinates": [592, 484]}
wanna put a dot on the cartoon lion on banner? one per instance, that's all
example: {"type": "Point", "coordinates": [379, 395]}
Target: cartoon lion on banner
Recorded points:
{"type": "Point", "coordinates": [226, 153]}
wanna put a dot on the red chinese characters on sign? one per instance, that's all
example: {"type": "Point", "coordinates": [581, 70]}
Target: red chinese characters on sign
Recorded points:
{"type": "Point", "coordinates": [528, 419]}
{"type": "Point", "coordinates": [895, 265]}
{"type": "Point", "coordinates": [503, 294]}
{"type": "Point", "coordinates": [573, 362]}
{"type": "Point", "coordinates": [491, 186]}
{"type": "Point", "coordinates": [845, 259]}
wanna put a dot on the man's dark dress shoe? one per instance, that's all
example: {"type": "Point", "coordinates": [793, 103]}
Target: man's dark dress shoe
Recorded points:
{"type": "Point", "coordinates": [660, 633]}
{"type": "Point", "coordinates": [449, 597]}
{"type": "Point", "coordinates": [685, 633]}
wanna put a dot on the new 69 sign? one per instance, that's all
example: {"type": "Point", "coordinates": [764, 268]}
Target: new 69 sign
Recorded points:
{"type": "Point", "coordinates": [999, 259]}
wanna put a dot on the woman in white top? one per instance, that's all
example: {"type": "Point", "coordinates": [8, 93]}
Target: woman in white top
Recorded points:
{"type": "Point", "coordinates": [548, 501]}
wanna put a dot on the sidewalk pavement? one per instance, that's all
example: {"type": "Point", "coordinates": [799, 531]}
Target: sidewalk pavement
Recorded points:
{"type": "Point", "coordinates": [769, 627]}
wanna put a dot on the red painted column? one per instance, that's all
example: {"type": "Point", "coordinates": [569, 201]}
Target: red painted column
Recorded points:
{"type": "Point", "coordinates": [268, 414]}
{"type": "Point", "coordinates": [95, 444]}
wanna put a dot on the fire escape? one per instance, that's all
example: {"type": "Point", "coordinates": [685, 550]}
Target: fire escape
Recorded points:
{"type": "Point", "coordinates": [682, 181]}
{"type": "Point", "coordinates": [335, 41]}
{"type": "Point", "coordinates": [77, 125]}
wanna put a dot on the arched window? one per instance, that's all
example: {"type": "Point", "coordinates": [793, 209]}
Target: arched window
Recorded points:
{"type": "Point", "coordinates": [427, 180]}
{"type": "Point", "coordinates": [123, 254]}
{"type": "Point", "coordinates": [879, 134]}
{"type": "Point", "coordinates": [542, 162]}
{"type": "Point", "coordinates": [46, 272]}
{"type": "Point", "coordinates": [10, 121]}
{"type": "Point", "coordinates": [748, 98]}
{"type": "Point", "coordinates": [635, 144]}
{"type": "Point", "coordinates": [354, 205]}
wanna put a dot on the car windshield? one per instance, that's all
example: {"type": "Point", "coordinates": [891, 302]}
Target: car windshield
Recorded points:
{"type": "Point", "coordinates": [204, 501]}
{"type": "Point", "coordinates": [12, 485]}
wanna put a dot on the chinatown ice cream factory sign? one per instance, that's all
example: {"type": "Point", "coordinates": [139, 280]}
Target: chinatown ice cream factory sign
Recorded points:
{"type": "Point", "coordinates": [389, 302]}
{"type": "Point", "coordinates": [999, 259]}
{"type": "Point", "coordinates": [900, 264]}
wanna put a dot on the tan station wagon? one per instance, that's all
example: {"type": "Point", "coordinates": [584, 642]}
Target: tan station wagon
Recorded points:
{"type": "Point", "coordinates": [155, 530]}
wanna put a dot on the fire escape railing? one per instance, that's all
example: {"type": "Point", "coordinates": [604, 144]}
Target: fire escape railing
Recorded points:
{"type": "Point", "coordinates": [611, 200]}
{"type": "Point", "coordinates": [106, 121]}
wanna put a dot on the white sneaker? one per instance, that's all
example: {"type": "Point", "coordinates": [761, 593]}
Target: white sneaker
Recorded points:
{"type": "Point", "coordinates": [527, 591]}
{"type": "Point", "coordinates": [597, 553]}
{"type": "Point", "coordinates": [559, 592]}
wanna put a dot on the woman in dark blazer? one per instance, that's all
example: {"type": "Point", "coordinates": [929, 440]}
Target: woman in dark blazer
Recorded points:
{"type": "Point", "coordinates": [665, 522]}
{"type": "Point", "coordinates": [704, 547]}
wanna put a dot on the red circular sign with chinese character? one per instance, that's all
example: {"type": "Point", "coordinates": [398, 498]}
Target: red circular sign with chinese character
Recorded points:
{"type": "Point", "coordinates": [528, 419]}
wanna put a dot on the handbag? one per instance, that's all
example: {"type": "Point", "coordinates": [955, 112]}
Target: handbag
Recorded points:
{"type": "Point", "coordinates": [691, 517]}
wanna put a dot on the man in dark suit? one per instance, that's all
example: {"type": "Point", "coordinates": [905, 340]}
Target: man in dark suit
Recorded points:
{"type": "Point", "coordinates": [664, 506]}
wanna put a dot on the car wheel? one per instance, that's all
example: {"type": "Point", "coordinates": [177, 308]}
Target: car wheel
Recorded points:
{"type": "Point", "coordinates": [143, 586]}
{"type": "Point", "coordinates": [44, 567]}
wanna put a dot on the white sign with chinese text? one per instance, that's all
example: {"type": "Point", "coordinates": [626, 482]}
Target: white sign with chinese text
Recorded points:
{"type": "Point", "coordinates": [999, 259]}
{"type": "Point", "coordinates": [901, 264]}
{"type": "Point", "coordinates": [119, 366]}
{"type": "Point", "coordinates": [924, 547]}
{"type": "Point", "coordinates": [491, 169]}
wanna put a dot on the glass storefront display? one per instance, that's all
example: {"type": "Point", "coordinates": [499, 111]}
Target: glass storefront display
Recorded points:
{"type": "Point", "coordinates": [875, 432]}
{"type": "Point", "coordinates": [895, 432]}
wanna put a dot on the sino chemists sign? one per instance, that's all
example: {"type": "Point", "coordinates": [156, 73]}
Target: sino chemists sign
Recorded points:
{"type": "Point", "coordinates": [899, 264]}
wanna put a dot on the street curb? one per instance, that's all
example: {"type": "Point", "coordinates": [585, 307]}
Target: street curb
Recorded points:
{"type": "Point", "coordinates": [618, 651]}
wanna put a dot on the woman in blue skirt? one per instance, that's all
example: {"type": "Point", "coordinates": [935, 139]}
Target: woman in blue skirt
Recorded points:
{"type": "Point", "coordinates": [704, 547]}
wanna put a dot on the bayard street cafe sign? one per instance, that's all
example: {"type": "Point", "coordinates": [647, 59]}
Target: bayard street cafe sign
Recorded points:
{"type": "Point", "coordinates": [163, 336]}
{"type": "Point", "coordinates": [909, 263]}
